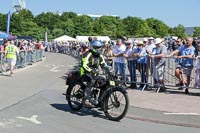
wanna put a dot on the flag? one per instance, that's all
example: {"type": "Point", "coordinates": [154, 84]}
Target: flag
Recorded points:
{"type": "Point", "coordinates": [46, 37]}
{"type": "Point", "coordinates": [46, 40]}
{"type": "Point", "coordinates": [8, 22]}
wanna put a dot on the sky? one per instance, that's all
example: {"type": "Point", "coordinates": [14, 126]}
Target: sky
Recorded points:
{"type": "Point", "coordinates": [171, 12]}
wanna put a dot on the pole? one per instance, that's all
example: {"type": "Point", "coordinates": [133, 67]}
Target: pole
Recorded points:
{"type": "Point", "coordinates": [8, 22]}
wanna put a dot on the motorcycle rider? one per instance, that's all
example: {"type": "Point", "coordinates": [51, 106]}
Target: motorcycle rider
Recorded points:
{"type": "Point", "coordinates": [90, 62]}
{"type": "Point", "coordinates": [84, 48]}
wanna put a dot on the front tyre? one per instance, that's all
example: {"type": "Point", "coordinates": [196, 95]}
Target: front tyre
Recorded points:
{"type": "Point", "coordinates": [75, 96]}
{"type": "Point", "coordinates": [116, 104]}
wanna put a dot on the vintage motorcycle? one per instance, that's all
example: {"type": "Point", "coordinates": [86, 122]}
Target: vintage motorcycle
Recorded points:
{"type": "Point", "coordinates": [107, 93]}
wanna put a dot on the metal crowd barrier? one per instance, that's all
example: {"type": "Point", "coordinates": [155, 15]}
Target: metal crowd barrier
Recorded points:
{"type": "Point", "coordinates": [170, 80]}
{"type": "Point", "coordinates": [150, 72]}
{"type": "Point", "coordinates": [23, 59]}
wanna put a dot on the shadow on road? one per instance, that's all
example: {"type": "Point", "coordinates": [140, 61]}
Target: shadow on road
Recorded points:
{"type": "Point", "coordinates": [64, 77]}
{"type": "Point", "coordinates": [82, 112]}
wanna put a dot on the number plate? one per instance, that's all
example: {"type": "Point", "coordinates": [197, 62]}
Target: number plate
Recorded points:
{"type": "Point", "coordinates": [112, 83]}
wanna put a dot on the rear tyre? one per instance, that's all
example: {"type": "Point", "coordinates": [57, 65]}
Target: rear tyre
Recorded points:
{"type": "Point", "coordinates": [75, 96]}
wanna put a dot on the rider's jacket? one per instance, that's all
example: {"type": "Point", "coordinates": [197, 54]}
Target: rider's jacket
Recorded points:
{"type": "Point", "coordinates": [91, 60]}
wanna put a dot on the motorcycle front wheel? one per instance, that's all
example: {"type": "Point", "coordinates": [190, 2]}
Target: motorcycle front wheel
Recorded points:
{"type": "Point", "coordinates": [75, 96]}
{"type": "Point", "coordinates": [116, 104]}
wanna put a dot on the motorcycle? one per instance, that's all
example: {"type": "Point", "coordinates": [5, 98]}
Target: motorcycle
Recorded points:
{"type": "Point", "coordinates": [107, 94]}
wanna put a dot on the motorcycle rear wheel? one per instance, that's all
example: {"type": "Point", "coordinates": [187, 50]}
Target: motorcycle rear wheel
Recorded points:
{"type": "Point", "coordinates": [75, 96]}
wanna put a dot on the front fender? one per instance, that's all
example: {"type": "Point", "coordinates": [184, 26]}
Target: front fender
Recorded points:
{"type": "Point", "coordinates": [115, 88]}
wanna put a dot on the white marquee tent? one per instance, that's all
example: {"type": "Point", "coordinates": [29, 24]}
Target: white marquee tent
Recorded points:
{"type": "Point", "coordinates": [64, 38]}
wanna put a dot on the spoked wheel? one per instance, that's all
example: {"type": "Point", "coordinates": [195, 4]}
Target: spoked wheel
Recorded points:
{"type": "Point", "coordinates": [75, 95]}
{"type": "Point", "coordinates": [116, 104]}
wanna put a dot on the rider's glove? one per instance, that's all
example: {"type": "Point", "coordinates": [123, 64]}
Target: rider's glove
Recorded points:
{"type": "Point", "coordinates": [93, 72]}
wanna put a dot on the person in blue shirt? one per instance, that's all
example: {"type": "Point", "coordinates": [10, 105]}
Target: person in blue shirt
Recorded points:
{"type": "Point", "coordinates": [140, 53]}
{"type": "Point", "coordinates": [187, 52]}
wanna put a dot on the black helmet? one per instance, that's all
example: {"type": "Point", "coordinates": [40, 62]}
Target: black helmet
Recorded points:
{"type": "Point", "coordinates": [90, 39]}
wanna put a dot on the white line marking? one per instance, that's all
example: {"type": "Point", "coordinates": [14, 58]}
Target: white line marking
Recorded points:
{"type": "Point", "coordinates": [54, 69]}
{"type": "Point", "coordinates": [18, 125]}
{"type": "Point", "coordinates": [32, 119]}
{"type": "Point", "coordinates": [181, 114]}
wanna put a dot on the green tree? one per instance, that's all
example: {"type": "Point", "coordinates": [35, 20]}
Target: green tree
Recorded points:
{"type": "Point", "coordinates": [68, 27]}
{"type": "Point", "coordinates": [196, 32]}
{"type": "Point", "coordinates": [179, 31]}
{"type": "Point", "coordinates": [158, 27]}
{"type": "Point", "coordinates": [16, 24]}
{"type": "Point", "coordinates": [83, 25]}
{"type": "Point", "coordinates": [171, 31]}
{"type": "Point", "coordinates": [26, 15]}
{"type": "Point", "coordinates": [57, 32]}
{"type": "Point", "coordinates": [108, 26]}
{"type": "Point", "coordinates": [69, 15]}
{"type": "Point", "coordinates": [48, 20]}
{"type": "Point", "coordinates": [3, 21]}
{"type": "Point", "coordinates": [23, 23]}
{"type": "Point", "coordinates": [135, 26]}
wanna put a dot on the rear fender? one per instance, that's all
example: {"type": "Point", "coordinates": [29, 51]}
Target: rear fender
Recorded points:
{"type": "Point", "coordinates": [73, 77]}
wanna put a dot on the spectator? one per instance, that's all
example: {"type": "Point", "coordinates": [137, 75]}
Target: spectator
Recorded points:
{"type": "Point", "coordinates": [119, 61]}
{"type": "Point", "coordinates": [187, 52]}
{"type": "Point", "coordinates": [22, 54]}
{"type": "Point", "coordinates": [149, 50]}
{"type": "Point", "coordinates": [11, 53]}
{"type": "Point", "coordinates": [179, 42]}
{"type": "Point", "coordinates": [194, 43]}
{"type": "Point", "coordinates": [31, 48]}
{"type": "Point", "coordinates": [50, 47]}
{"type": "Point", "coordinates": [150, 46]}
{"type": "Point", "coordinates": [197, 71]}
{"type": "Point", "coordinates": [145, 43]}
{"type": "Point", "coordinates": [159, 62]}
{"type": "Point", "coordinates": [46, 46]}
{"type": "Point", "coordinates": [3, 58]}
{"type": "Point", "coordinates": [174, 44]}
{"type": "Point", "coordinates": [131, 63]}
{"type": "Point", "coordinates": [140, 53]}
{"type": "Point", "coordinates": [108, 54]}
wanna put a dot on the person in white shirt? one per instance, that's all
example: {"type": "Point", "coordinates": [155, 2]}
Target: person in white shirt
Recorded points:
{"type": "Point", "coordinates": [119, 60]}
{"type": "Point", "coordinates": [150, 46]}
{"type": "Point", "coordinates": [132, 61]}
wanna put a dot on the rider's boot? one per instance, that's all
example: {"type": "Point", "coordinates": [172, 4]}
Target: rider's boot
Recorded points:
{"type": "Point", "coordinates": [87, 94]}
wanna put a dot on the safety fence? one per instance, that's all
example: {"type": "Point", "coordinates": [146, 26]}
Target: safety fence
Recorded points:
{"type": "Point", "coordinates": [164, 73]}
{"type": "Point", "coordinates": [24, 58]}
{"type": "Point", "coordinates": [189, 72]}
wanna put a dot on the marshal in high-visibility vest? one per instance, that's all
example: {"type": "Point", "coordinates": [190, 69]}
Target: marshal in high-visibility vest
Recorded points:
{"type": "Point", "coordinates": [11, 51]}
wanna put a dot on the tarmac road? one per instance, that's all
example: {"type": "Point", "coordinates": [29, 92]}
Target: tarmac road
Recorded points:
{"type": "Point", "coordinates": [32, 101]}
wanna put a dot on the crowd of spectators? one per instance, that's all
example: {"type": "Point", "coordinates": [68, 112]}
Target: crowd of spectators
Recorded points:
{"type": "Point", "coordinates": [145, 55]}
{"type": "Point", "coordinates": [26, 55]}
